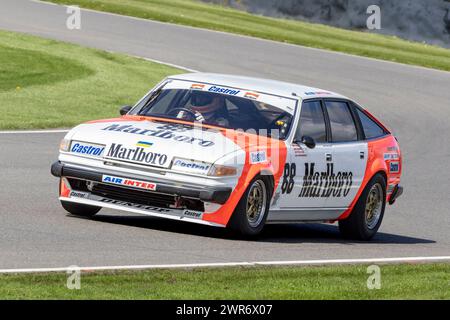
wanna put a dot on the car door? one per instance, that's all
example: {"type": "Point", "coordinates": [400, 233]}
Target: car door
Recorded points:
{"type": "Point", "coordinates": [348, 154]}
{"type": "Point", "coordinates": [301, 181]}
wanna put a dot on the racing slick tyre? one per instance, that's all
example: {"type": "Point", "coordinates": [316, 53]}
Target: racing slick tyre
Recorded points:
{"type": "Point", "coordinates": [78, 209]}
{"type": "Point", "coordinates": [250, 215]}
{"type": "Point", "coordinates": [366, 217]}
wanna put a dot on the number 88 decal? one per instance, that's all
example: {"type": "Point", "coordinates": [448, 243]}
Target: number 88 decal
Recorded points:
{"type": "Point", "coordinates": [288, 178]}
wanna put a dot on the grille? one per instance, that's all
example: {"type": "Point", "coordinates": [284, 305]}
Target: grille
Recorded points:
{"type": "Point", "coordinates": [135, 196]}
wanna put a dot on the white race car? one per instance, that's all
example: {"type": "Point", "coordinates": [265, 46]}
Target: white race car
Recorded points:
{"type": "Point", "coordinates": [234, 151]}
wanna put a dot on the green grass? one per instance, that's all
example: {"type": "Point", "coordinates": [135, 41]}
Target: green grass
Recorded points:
{"type": "Point", "coordinates": [422, 281]}
{"type": "Point", "coordinates": [215, 17]}
{"type": "Point", "coordinates": [50, 84]}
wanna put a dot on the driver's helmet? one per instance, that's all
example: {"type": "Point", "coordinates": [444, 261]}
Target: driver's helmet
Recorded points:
{"type": "Point", "coordinates": [205, 102]}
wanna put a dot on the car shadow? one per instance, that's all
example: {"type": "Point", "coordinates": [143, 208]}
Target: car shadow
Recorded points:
{"type": "Point", "coordinates": [280, 233]}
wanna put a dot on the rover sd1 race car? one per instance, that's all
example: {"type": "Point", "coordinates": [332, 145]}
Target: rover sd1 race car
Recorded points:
{"type": "Point", "coordinates": [235, 152]}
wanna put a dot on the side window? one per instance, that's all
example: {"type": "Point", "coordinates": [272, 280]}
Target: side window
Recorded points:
{"type": "Point", "coordinates": [341, 122]}
{"type": "Point", "coordinates": [312, 122]}
{"type": "Point", "coordinates": [370, 127]}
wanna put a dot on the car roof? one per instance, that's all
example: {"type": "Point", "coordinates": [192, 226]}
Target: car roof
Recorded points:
{"type": "Point", "coordinates": [275, 87]}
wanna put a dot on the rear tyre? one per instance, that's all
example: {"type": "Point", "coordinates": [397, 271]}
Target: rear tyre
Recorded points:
{"type": "Point", "coordinates": [78, 209]}
{"type": "Point", "coordinates": [365, 219]}
{"type": "Point", "coordinates": [250, 215]}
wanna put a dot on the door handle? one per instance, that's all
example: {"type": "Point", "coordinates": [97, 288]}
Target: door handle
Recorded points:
{"type": "Point", "coordinates": [328, 157]}
{"type": "Point", "coordinates": [361, 155]}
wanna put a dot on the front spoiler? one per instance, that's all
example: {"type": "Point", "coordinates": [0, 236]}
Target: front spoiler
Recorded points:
{"type": "Point", "coordinates": [174, 214]}
{"type": "Point", "coordinates": [218, 195]}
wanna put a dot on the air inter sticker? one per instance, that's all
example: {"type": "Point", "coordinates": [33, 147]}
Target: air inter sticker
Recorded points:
{"type": "Point", "coordinates": [129, 182]}
{"type": "Point", "coordinates": [391, 156]}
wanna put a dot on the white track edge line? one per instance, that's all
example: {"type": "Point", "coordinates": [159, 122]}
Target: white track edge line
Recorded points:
{"type": "Point", "coordinates": [234, 264]}
{"type": "Point", "coordinates": [165, 63]}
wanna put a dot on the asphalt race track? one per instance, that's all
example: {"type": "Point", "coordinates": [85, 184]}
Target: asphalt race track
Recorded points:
{"type": "Point", "coordinates": [414, 102]}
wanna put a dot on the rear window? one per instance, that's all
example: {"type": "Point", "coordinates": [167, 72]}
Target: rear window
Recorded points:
{"type": "Point", "coordinates": [371, 128]}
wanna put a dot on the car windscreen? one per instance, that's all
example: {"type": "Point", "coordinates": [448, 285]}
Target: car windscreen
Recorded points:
{"type": "Point", "coordinates": [224, 110]}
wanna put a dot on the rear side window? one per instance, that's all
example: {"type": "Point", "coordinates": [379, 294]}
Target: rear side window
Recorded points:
{"type": "Point", "coordinates": [312, 122]}
{"type": "Point", "coordinates": [342, 125]}
{"type": "Point", "coordinates": [371, 128]}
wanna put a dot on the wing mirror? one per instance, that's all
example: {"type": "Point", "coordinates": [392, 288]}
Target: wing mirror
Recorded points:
{"type": "Point", "coordinates": [125, 109]}
{"type": "Point", "coordinates": [308, 141]}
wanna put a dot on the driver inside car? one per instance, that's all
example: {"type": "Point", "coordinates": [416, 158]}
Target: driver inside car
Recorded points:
{"type": "Point", "coordinates": [209, 108]}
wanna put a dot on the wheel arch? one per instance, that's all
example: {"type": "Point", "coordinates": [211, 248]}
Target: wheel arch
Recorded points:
{"type": "Point", "coordinates": [368, 177]}
{"type": "Point", "coordinates": [268, 174]}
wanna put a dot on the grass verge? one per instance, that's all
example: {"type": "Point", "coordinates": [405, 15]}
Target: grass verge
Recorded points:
{"type": "Point", "coordinates": [216, 17]}
{"type": "Point", "coordinates": [421, 281]}
{"type": "Point", "coordinates": [50, 84]}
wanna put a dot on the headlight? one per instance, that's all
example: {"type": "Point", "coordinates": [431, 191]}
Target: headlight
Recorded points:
{"type": "Point", "coordinates": [64, 145]}
{"type": "Point", "coordinates": [191, 166]}
{"type": "Point", "coordinates": [221, 171]}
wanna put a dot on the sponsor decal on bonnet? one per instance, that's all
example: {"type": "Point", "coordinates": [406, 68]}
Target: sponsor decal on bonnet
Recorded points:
{"type": "Point", "coordinates": [162, 132]}
{"type": "Point", "coordinates": [144, 144]}
{"type": "Point", "coordinates": [137, 155]}
{"type": "Point", "coordinates": [86, 148]}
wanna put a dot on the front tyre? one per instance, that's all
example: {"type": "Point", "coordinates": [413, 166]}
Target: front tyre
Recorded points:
{"type": "Point", "coordinates": [365, 219]}
{"type": "Point", "coordinates": [250, 214]}
{"type": "Point", "coordinates": [79, 209]}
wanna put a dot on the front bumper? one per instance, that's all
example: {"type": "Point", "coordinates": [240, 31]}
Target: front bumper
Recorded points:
{"type": "Point", "coordinates": [217, 195]}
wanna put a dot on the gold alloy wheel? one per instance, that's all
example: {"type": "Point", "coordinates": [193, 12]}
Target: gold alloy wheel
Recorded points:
{"type": "Point", "coordinates": [256, 203]}
{"type": "Point", "coordinates": [374, 204]}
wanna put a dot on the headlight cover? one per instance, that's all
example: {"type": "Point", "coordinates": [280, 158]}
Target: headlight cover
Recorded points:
{"type": "Point", "coordinates": [64, 145]}
{"type": "Point", "coordinates": [222, 171]}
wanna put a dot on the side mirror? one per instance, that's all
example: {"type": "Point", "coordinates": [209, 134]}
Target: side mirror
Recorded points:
{"type": "Point", "coordinates": [308, 141]}
{"type": "Point", "coordinates": [125, 109]}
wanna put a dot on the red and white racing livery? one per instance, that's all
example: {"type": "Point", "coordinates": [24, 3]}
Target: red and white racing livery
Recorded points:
{"type": "Point", "coordinates": [235, 151]}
